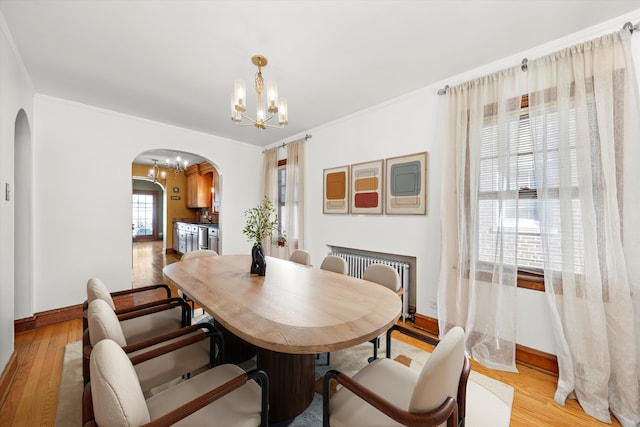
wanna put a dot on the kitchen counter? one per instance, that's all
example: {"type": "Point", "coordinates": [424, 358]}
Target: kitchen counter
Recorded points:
{"type": "Point", "coordinates": [191, 235]}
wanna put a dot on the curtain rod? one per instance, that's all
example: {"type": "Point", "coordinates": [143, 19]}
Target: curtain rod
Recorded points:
{"type": "Point", "coordinates": [524, 65]}
{"type": "Point", "coordinates": [284, 144]}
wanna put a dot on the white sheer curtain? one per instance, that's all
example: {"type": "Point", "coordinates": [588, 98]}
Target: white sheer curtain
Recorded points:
{"type": "Point", "coordinates": [270, 178]}
{"type": "Point", "coordinates": [584, 118]}
{"type": "Point", "coordinates": [478, 274]}
{"type": "Point", "coordinates": [294, 203]}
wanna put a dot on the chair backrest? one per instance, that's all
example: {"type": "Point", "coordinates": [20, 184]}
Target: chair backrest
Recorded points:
{"type": "Point", "coordinates": [440, 375]}
{"type": "Point", "coordinates": [301, 257]}
{"type": "Point", "coordinates": [335, 263]}
{"type": "Point", "coordinates": [104, 324]}
{"type": "Point", "coordinates": [384, 275]}
{"type": "Point", "coordinates": [198, 253]}
{"type": "Point", "coordinates": [115, 389]}
{"type": "Point", "coordinates": [97, 289]}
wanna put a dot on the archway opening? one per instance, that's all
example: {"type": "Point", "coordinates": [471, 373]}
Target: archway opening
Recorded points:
{"type": "Point", "coordinates": [23, 213]}
{"type": "Point", "coordinates": [189, 194]}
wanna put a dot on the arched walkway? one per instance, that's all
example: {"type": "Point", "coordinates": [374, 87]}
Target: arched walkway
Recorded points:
{"type": "Point", "coordinates": [23, 216]}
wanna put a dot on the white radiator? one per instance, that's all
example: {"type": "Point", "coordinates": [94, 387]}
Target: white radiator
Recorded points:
{"type": "Point", "coordinates": [358, 263]}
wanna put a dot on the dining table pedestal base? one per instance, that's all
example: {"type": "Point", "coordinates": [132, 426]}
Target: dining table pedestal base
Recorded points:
{"type": "Point", "coordinates": [291, 382]}
{"type": "Point", "coordinates": [236, 350]}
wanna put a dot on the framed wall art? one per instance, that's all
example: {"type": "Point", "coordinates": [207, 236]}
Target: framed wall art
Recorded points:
{"type": "Point", "coordinates": [366, 187]}
{"type": "Point", "coordinates": [336, 190]}
{"type": "Point", "coordinates": [406, 185]}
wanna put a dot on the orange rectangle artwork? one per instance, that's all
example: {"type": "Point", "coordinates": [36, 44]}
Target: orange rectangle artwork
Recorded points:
{"type": "Point", "coordinates": [366, 184]}
{"type": "Point", "coordinates": [336, 186]}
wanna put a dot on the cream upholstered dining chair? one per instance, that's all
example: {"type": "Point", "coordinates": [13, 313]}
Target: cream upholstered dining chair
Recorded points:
{"type": "Point", "coordinates": [388, 393]}
{"type": "Point", "coordinates": [225, 395]}
{"type": "Point", "coordinates": [191, 255]}
{"type": "Point", "coordinates": [384, 275]}
{"type": "Point", "coordinates": [96, 288]}
{"type": "Point", "coordinates": [191, 348]}
{"type": "Point", "coordinates": [334, 263]}
{"type": "Point", "coordinates": [337, 265]}
{"type": "Point", "coordinates": [301, 257]}
{"type": "Point", "coordinates": [143, 321]}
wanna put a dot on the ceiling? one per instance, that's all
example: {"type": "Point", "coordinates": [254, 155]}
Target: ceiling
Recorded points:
{"type": "Point", "coordinates": [176, 61]}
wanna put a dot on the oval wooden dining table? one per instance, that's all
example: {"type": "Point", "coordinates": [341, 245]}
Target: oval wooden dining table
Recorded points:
{"type": "Point", "coordinates": [290, 314]}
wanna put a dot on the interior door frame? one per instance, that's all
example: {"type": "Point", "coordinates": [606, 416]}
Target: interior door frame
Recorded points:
{"type": "Point", "coordinates": [154, 226]}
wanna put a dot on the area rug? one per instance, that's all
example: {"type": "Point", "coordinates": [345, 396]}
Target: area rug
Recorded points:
{"type": "Point", "coordinates": [488, 401]}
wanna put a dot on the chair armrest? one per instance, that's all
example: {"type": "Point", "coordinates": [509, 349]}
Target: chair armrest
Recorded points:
{"type": "Point", "coordinates": [447, 411]}
{"type": "Point", "coordinates": [156, 303]}
{"type": "Point", "coordinates": [156, 306]}
{"type": "Point", "coordinates": [211, 396]}
{"type": "Point", "coordinates": [143, 289]}
{"type": "Point", "coordinates": [411, 333]}
{"type": "Point", "coordinates": [211, 333]}
{"type": "Point", "coordinates": [126, 292]}
{"type": "Point", "coordinates": [214, 335]}
{"type": "Point", "coordinates": [462, 389]}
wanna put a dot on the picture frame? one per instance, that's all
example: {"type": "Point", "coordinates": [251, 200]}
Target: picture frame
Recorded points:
{"type": "Point", "coordinates": [367, 180]}
{"type": "Point", "coordinates": [406, 185]}
{"type": "Point", "coordinates": [335, 194]}
{"type": "Point", "coordinates": [176, 189]}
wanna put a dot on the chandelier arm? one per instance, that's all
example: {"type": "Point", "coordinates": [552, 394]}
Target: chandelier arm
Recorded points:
{"type": "Point", "coordinates": [248, 118]}
{"type": "Point", "coordinates": [274, 126]}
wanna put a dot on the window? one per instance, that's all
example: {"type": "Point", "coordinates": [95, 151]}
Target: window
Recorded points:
{"type": "Point", "coordinates": [282, 197]}
{"type": "Point", "coordinates": [515, 210]}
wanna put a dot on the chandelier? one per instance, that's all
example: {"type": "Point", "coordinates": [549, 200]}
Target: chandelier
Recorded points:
{"type": "Point", "coordinates": [155, 173]}
{"type": "Point", "coordinates": [177, 165]}
{"type": "Point", "coordinates": [274, 105]}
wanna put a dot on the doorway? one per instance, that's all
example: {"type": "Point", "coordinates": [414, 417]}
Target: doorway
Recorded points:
{"type": "Point", "coordinates": [144, 214]}
{"type": "Point", "coordinates": [23, 296]}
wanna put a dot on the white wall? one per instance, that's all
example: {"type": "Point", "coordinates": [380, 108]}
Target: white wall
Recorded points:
{"type": "Point", "coordinates": [403, 126]}
{"type": "Point", "coordinates": [82, 215]}
{"type": "Point", "coordinates": [16, 93]}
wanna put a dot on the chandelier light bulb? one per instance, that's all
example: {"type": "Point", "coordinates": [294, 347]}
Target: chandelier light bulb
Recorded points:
{"type": "Point", "coordinates": [240, 95]}
{"type": "Point", "coordinates": [283, 114]}
{"type": "Point", "coordinates": [236, 115]}
{"type": "Point", "coordinates": [272, 97]}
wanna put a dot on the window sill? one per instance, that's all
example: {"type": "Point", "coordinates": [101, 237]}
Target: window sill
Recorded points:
{"type": "Point", "coordinates": [530, 281]}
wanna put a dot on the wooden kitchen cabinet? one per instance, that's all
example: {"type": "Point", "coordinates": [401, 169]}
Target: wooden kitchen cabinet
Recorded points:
{"type": "Point", "coordinates": [199, 181]}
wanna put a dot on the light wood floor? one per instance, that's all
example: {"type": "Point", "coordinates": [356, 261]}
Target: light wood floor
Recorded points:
{"type": "Point", "coordinates": [33, 398]}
